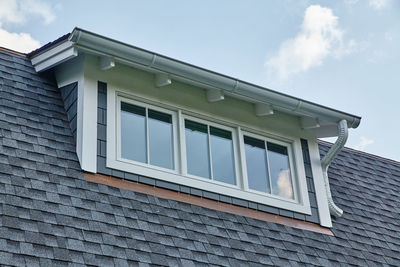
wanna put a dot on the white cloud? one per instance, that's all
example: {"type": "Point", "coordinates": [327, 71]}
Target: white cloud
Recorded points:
{"type": "Point", "coordinates": [364, 142]}
{"type": "Point", "coordinates": [378, 4]}
{"type": "Point", "coordinates": [21, 42]}
{"type": "Point", "coordinates": [319, 37]}
{"type": "Point", "coordinates": [18, 12]}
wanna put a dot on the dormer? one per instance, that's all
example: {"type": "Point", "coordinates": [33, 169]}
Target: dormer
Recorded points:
{"type": "Point", "coordinates": [144, 117]}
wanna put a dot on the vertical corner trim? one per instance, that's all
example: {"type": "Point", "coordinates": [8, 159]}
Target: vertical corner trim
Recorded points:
{"type": "Point", "coordinates": [319, 184]}
{"type": "Point", "coordinates": [87, 124]}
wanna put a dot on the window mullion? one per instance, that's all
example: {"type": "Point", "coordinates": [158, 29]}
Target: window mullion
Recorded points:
{"type": "Point", "coordinates": [209, 152]}
{"type": "Point", "coordinates": [242, 160]}
{"type": "Point", "coordinates": [269, 172]}
{"type": "Point", "coordinates": [181, 141]}
{"type": "Point", "coordinates": [147, 137]}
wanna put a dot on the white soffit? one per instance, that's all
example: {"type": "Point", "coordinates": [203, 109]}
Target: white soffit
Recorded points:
{"type": "Point", "coordinates": [321, 119]}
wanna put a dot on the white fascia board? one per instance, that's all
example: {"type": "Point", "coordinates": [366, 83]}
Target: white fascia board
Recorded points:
{"type": "Point", "coordinates": [126, 53]}
{"type": "Point", "coordinates": [320, 192]}
{"type": "Point", "coordinates": [54, 56]}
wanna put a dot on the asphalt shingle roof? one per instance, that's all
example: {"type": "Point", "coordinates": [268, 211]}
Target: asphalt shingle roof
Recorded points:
{"type": "Point", "coordinates": [51, 216]}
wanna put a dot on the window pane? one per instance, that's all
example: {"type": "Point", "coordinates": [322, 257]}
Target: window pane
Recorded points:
{"type": "Point", "coordinates": [133, 132]}
{"type": "Point", "coordinates": [197, 153]}
{"type": "Point", "coordinates": [222, 156]}
{"type": "Point", "coordinates": [280, 172]}
{"type": "Point", "coordinates": [256, 162]}
{"type": "Point", "coordinates": [160, 139]}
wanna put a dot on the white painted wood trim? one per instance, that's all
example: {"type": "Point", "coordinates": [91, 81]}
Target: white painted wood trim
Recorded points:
{"type": "Point", "coordinates": [320, 193]}
{"type": "Point", "coordinates": [56, 59]}
{"type": "Point", "coordinates": [51, 52]}
{"type": "Point", "coordinates": [113, 161]}
{"type": "Point", "coordinates": [87, 124]}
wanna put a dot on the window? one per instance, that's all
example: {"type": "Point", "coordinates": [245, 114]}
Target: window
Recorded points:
{"type": "Point", "coordinates": [183, 147]}
{"type": "Point", "coordinates": [209, 152]}
{"type": "Point", "coordinates": [268, 168]}
{"type": "Point", "coordinates": [146, 135]}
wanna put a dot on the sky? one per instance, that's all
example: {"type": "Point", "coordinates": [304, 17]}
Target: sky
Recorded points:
{"type": "Point", "coordinates": [341, 54]}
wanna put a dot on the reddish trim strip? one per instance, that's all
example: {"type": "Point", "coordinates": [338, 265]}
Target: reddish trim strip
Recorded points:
{"type": "Point", "coordinates": [203, 202]}
{"type": "Point", "coordinates": [12, 51]}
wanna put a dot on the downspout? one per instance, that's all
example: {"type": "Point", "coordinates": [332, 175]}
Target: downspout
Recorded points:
{"type": "Point", "coordinates": [326, 161]}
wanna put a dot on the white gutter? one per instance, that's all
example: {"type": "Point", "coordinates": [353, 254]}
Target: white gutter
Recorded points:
{"type": "Point", "coordinates": [326, 161]}
{"type": "Point", "coordinates": [123, 52]}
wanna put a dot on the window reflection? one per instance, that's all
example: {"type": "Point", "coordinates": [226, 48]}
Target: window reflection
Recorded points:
{"type": "Point", "coordinates": [197, 152]}
{"type": "Point", "coordinates": [222, 156]}
{"type": "Point", "coordinates": [160, 139]}
{"type": "Point", "coordinates": [256, 163]}
{"type": "Point", "coordinates": [137, 137]}
{"type": "Point", "coordinates": [203, 141]}
{"type": "Point", "coordinates": [280, 171]}
{"type": "Point", "coordinates": [268, 170]}
{"type": "Point", "coordinates": [133, 132]}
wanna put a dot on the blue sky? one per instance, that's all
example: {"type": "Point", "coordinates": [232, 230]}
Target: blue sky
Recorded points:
{"type": "Point", "coordinates": [342, 54]}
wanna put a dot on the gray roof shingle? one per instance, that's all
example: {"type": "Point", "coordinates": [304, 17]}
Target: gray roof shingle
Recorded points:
{"type": "Point", "coordinates": [51, 216]}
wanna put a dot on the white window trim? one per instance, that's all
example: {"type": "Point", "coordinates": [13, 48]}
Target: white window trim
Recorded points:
{"type": "Point", "coordinates": [175, 141]}
{"type": "Point", "coordinates": [234, 143]}
{"type": "Point", "coordinates": [289, 147]}
{"type": "Point", "coordinates": [178, 176]}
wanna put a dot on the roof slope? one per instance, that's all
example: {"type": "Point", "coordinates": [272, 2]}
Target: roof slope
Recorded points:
{"type": "Point", "coordinates": [50, 215]}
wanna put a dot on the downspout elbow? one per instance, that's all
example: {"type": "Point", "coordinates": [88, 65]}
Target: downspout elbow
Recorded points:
{"type": "Point", "coordinates": [326, 161]}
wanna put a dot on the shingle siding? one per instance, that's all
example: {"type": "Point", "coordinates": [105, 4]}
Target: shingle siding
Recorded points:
{"type": "Point", "coordinates": [49, 214]}
{"type": "Point", "coordinates": [69, 94]}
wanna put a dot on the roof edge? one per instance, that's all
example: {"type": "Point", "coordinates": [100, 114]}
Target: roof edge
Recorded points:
{"type": "Point", "coordinates": [48, 46]}
{"type": "Point", "coordinates": [8, 50]}
{"type": "Point", "coordinates": [83, 40]}
{"type": "Point", "coordinates": [349, 149]}
{"type": "Point", "coordinates": [104, 45]}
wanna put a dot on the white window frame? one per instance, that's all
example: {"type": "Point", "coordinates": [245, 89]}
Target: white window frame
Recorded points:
{"type": "Point", "coordinates": [289, 147]}
{"type": "Point", "coordinates": [176, 162]}
{"type": "Point", "coordinates": [236, 161]}
{"type": "Point", "coordinates": [180, 176]}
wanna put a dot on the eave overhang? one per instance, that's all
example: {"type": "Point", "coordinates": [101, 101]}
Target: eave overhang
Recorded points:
{"type": "Point", "coordinates": [320, 119]}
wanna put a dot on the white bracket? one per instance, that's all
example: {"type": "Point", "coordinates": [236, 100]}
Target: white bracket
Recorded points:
{"type": "Point", "coordinates": [162, 79]}
{"type": "Point", "coordinates": [106, 63]}
{"type": "Point", "coordinates": [309, 123]}
{"type": "Point", "coordinates": [263, 109]}
{"type": "Point", "coordinates": [215, 95]}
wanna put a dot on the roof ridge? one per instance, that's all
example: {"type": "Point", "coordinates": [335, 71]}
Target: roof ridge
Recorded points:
{"type": "Point", "coordinates": [363, 153]}
{"type": "Point", "coordinates": [8, 50]}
